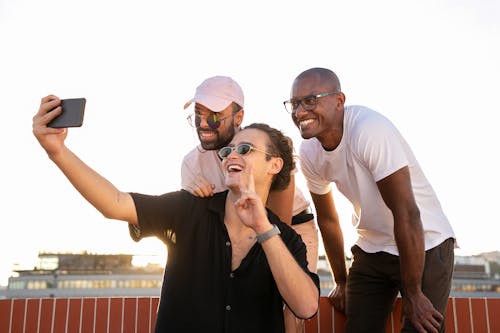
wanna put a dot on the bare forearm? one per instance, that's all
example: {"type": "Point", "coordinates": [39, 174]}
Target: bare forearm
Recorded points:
{"type": "Point", "coordinates": [410, 242]}
{"type": "Point", "coordinates": [97, 190]}
{"type": "Point", "coordinates": [295, 285]}
{"type": "Point", "coordinates": [333, 240]}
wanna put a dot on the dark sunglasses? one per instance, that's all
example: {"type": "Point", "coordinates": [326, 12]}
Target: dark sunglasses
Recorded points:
{"type": "Point", "coordinates": [241, 149]}
{"type": "Point", "coordinates": [213, 121]}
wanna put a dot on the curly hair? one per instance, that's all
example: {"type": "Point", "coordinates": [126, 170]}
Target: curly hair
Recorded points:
{"type": "Point", "coordinates": [278, 145]}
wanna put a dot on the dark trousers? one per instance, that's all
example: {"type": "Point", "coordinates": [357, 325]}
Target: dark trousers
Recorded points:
{"type": "Point", "coordinates": [374, 281]}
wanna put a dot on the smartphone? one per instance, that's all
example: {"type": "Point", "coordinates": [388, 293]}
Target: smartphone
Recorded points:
{"type": "Point", "coordinates": [71, 115]}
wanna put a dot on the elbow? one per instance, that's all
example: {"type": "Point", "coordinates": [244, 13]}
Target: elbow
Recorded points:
{"type": "Point", "coordinates": [309, 309]}
{"type": "Point", "coordinates": [111, 214]}
{"type": "Point", "coordinates": [117, 209]}
{"type": "Point", "coordinates": [413, 217]}
{"type": "Point", "coordinates": [107, 214]}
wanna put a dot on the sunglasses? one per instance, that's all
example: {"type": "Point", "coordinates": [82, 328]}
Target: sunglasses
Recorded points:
{"type": "Point", "coordinates": [213, 121]}
{"type": "Point", "coordinates": [241, 149]}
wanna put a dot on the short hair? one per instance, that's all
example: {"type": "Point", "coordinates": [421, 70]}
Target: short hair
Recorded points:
{"type": "Point", "coordinates": [236, 107]}
{"type": "Point", "coordinates": [325, 74]}
{"type": "Point", "coordinates": [278, 145]}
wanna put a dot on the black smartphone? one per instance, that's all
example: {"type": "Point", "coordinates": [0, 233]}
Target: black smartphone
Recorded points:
{"type": "Point", "coordinates": [71, 115]}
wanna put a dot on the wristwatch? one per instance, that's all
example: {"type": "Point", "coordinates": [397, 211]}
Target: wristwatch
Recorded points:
{"type": "Point", "coordinates": [268, 234]}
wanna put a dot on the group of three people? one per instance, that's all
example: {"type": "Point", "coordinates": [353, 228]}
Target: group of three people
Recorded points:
{"type": "Point", "coordinates": [242, 242]}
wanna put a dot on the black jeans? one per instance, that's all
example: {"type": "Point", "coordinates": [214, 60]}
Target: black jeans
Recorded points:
{"type": "Point", "coordinates": [374, 281]}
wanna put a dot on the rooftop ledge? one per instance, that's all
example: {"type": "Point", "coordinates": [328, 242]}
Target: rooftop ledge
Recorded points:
{"type": "Point", "coordinates": [138, 314]}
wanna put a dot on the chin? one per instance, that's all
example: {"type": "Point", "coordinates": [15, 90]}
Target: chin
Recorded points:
{"type": "Point", "coordinates": [209, 145]}
{"type": "Point", "coordinates": [306, 134]}
{"type": "Point", "coordinates": [232, 183]}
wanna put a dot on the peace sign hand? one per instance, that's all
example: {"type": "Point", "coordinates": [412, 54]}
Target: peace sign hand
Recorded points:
{"type": "Point", "coordinates": [249, 206]}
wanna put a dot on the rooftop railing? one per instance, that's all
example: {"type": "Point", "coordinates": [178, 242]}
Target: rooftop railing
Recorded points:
{"type": "Point", "coordinates": [138, 315]}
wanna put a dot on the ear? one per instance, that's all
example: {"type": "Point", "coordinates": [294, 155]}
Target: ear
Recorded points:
{"type": "Point", "coordinates": [238, 118]}
{"type": "Point", "coordinates": [276, 165]}
{"type": "Point", "coordinates": [341, 100]}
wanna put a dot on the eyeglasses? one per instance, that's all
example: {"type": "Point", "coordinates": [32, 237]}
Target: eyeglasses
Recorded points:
{"type": "Point", "coordinates": [308, 102]}
{"type": "Point", "coordinates": [241, 149]}
{"type": "Point", "coordinates": [213, 121]}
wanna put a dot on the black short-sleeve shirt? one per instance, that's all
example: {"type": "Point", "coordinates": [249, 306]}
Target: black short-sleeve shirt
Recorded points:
{"type": "Point", "coordinates": [200, 293]}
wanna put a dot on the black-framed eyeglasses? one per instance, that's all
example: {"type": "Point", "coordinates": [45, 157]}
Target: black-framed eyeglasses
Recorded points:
{"type": "Point", "coordinates": [213, 121]}
{"type": "Point", "coordinates": [241, 149]}
{"type": "Point", "coordinates": [307, 102]}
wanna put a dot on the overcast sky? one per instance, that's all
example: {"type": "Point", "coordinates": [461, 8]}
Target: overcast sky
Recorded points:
{"type": "Point", "coordinates": [432, 67]}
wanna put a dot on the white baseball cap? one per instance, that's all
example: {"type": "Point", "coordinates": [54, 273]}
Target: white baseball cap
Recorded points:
{"type": "Point", "coordinates": [217, 93]}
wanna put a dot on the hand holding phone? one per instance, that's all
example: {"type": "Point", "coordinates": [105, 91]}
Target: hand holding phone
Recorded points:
{"type": "Point", "coordinates": [72, 114]}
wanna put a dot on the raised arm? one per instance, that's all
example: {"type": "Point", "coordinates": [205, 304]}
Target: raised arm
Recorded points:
{"type": "Point", "coordinates": [97, 190]}
{"type": "Point", "coordinates": [295, 285]}
{"type": "Point", "coordinates": [333, 240]}
{"type": "Point", "coordinates": [397, 193]}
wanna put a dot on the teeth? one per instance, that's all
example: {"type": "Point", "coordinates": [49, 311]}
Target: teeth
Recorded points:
{"type": "Point", "coordinates": [306, 122]}
{"type": "Point", "coordinates": [234, 168]}
{"type": "Point", "coordinates": [207, 134]}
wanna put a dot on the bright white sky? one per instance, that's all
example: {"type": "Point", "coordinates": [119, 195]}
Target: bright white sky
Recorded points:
{"type": "Point", "coordinates": [431, 66]}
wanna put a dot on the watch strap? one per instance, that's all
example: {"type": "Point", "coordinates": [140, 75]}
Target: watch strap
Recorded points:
{"type": "Point", "coordinates": [268, 234]}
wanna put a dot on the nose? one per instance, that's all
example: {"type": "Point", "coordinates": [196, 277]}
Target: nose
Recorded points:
{"type": "Point", "coordinates": [233, 153]}
{"type": "Point", "coordinates": [203, 123]}
{"type": "Point", "coordinates": [300, 111]}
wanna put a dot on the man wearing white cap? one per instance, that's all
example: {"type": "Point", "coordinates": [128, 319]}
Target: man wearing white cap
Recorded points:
{"type": "Point", "coordinates": [231, 264]}
{"type": "Point", "coordinates": [218, 114]}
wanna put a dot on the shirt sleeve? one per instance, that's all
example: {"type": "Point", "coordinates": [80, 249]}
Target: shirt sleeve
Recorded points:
{"type": "Point", "coordinates": [187, 172]}
{"type": "Point", "coordinates": [297, 248]}
{"type": "Point", "coordinates": [315, 183]}
{"type": "Point", "coordinates": [380, 146]}
{"type": "Point", "coordinates": [157, 215]}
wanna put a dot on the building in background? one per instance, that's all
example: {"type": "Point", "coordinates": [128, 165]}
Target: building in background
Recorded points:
{"type": "Point", "coordinates": [109, 275]}
{"type": "Point", "coordinates": [84, 274]}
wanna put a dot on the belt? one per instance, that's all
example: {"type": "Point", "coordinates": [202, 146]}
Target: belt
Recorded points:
{"type": "Point", "coordinates": [305, 211]}
{"type": "Point", "coordinates": [303, 216]}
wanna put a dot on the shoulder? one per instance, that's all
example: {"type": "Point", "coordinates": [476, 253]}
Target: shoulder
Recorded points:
{"type": "Point", "coordinates": [364, 126]}
{"type": "Point", "coordinates": [198, 158]}
{"type": "Point", "coordinates": [175, 197]}
{"type": "Point", "coordinates": [360, 118]}
{"type": "Point", "coordinates": [192, 155]}
{"type": "Point", "coordinates": [309, 147]}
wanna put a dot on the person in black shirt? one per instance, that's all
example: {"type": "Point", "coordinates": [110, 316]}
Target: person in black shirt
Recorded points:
{"type": "Point", "coordinates": [231, 263]}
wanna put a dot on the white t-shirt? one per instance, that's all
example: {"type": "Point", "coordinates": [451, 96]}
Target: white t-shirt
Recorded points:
{"type": "Point", "coordinates": [370, 150]}
{"type": "Point", "coordinates": [205, 164]}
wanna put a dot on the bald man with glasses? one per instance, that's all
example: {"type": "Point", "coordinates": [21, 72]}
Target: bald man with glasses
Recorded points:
{"type": "Point", "coordinates": [405, 242]}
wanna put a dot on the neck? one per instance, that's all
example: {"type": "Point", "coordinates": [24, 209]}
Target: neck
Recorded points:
{"type": "Point", "coordinates": [332, 137]}
{"type": "Point", "coordinates": [332, 140]}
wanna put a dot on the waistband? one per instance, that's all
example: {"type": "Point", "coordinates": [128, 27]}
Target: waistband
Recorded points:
{"type": "Point", "coordinates": [304, 216]}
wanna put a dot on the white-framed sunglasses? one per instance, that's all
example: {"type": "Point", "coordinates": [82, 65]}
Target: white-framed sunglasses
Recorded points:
{"type": "Point", "coordinates": [241, 149]}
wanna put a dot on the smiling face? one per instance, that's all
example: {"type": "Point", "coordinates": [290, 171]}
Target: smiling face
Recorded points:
{"type": "Point", "coordinates": [263, 167]}
{"type": "Point", "coordinates": [325, 120]}
{"type": "Point", "coordinates": [214, 139]}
